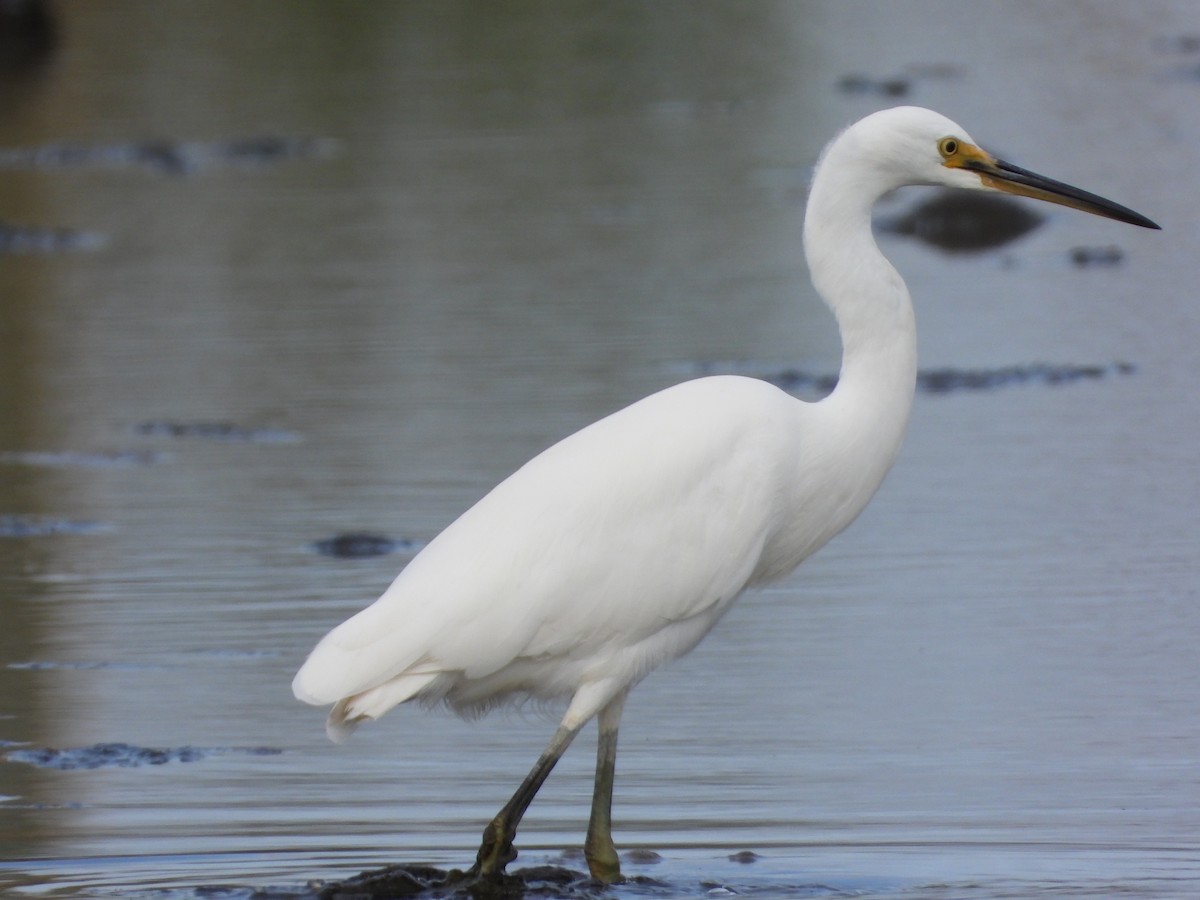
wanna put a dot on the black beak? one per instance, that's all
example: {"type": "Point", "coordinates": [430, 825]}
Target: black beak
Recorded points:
{"type": "Point", "coordinates": [1014, 180]}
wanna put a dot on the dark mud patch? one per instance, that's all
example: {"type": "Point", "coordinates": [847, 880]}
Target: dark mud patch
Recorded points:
{"type": "Point", "coordinates": [169, 157]}
{"type": "Point", "coordinates": [427, 881]}
{"type": "Point", "coordinates": [70, 459]}
{"type": "Point", "coordinates": [949, 380]}
{"type": "Point", "coordinates": [1183, 50]}
{"type": "Point", "coordinates": [123, 756]}
{"type": "Point", "coordinates": [874, 86]}
{"type": "Point", "coordinates": [552, 881]}
{"type": "Point", "coordinates": [1184, 44]}
{"type": "Point", "coordinates": [900, 84]}
{"type": "Point", "coordinates": [1096, 257]}
{"type": "Point", "coordinates": [28, 35]}
{"type": "Point", "coordinates": [744, 857]}
{"type": "Point", "coordinates": [946, 380]}
{"type": "Point", "coordinates": [963, 221]}
{"type": "Point", "coordinates": [46, 665]}
{"type": "Point", "coordinates": [247, 655]}
{"type": "Point", "coordinates": [21, 526]}
{"type": "Point", "coordinates": [18, 240]}
{"type": "Point", "coordinates": [362, 545]}
{"type": "Point", "coordinates": [215, 431]}
{"type": "Point", "coordinates": [56, 665]}
{"type": "Point", "coordinates": [559, 877]}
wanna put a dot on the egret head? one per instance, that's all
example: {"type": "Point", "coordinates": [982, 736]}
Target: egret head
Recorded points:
{"type": "Point", "coordinates": [943, 153]}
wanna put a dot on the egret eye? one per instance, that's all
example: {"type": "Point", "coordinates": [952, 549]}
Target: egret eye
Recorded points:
{"type": "Point", "coordinates": [948, 147]}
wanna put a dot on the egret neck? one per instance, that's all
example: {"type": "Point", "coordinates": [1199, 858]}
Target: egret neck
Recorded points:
{"type": "Point", "coordinates": [866, 415]}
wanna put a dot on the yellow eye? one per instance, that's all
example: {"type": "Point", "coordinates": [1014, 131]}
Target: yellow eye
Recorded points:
{"type": "Point", "coordinates": [948, 147]}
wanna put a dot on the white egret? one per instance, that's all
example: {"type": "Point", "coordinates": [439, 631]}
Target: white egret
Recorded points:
{"type": "Point", "coordinates": [620, 547]}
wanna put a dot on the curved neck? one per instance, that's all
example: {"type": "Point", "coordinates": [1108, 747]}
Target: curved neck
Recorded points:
{"type": "Point", "coordinates": [870, 406]}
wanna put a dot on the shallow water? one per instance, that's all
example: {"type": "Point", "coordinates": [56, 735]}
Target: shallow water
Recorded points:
{"type": "Point", "coordinates": [518, 220]}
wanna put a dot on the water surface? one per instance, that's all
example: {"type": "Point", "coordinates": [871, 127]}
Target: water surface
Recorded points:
{"type": "Point", "coordinates": [494, 225]}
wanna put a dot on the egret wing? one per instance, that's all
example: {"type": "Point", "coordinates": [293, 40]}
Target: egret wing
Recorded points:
{"type": "Point", "coordinates": [650, 516]}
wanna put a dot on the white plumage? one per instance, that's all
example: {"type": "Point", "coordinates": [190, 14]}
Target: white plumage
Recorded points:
{"type": "Point", "coordinates": [620, 547]}
{"type": "Point", "coordinates": [565, 574]}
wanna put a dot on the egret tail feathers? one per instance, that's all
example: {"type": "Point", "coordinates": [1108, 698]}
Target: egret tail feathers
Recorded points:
{"type": "Point", "coordinates": [349, 712]}
{"type": "Point", "coordinates": [341, 722]}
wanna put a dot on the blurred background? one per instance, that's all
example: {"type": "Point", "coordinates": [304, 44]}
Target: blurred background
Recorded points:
{"type": "Point", "coordinates": [279, 272]}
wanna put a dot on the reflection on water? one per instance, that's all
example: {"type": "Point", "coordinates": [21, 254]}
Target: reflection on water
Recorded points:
{"type": "Point", "coordinates": [520, 219]}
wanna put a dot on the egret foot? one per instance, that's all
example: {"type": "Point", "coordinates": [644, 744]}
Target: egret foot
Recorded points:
{"type": "Point", "coordinates": [598, 847]}
{"type": "Point", "coordinates": [602, 859]}
{"type": "Point", "coordinates": [497, 849]}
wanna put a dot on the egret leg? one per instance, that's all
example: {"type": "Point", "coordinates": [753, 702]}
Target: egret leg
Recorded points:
{"type": "Point", "coordinates": [497, 849]}
{"type": "Point", "coordinates": [598, 849]}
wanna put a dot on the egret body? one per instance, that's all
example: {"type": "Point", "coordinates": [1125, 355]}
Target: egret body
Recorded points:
{"type": "Point", "coordinates": [618, 548]}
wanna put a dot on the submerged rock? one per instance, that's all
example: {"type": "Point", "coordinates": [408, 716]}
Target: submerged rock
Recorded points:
{"type": "Point", "coordinates": [216, 431]}
{"type": "Point", "coordinates": [857, 83]}
{"type": "Point", "coordinates": [745, 857]}
{"type": "Point", "coordinates": [169, 157]}
{"type": "Point", "coordinates": [29, 239]}
{"type": "Point", "coordinates": [963, 221]}
{"type": "Point", "coordinates": [102, 459]}
{"type": "Point", "coordinates": [123, 756]}
{"type": "Point", "coordinates": [949, 379]}
{"type": "Point", "coordinates": [1084, 257]}
{"type": "Point", "coordinates": [415, 880]}
{"type": "Point", "coordinates": [43, 665]}
{"type": "Point", "coordinates": [943, 381]}
{"type": "Point", "coordinates": [28, 35]}
{"type": "Point", "coordinates": [20, 526]}
{"type": "Point", "coordinates": [899, 85]}
{"type": "Point", "coordinates": [361, 544]}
